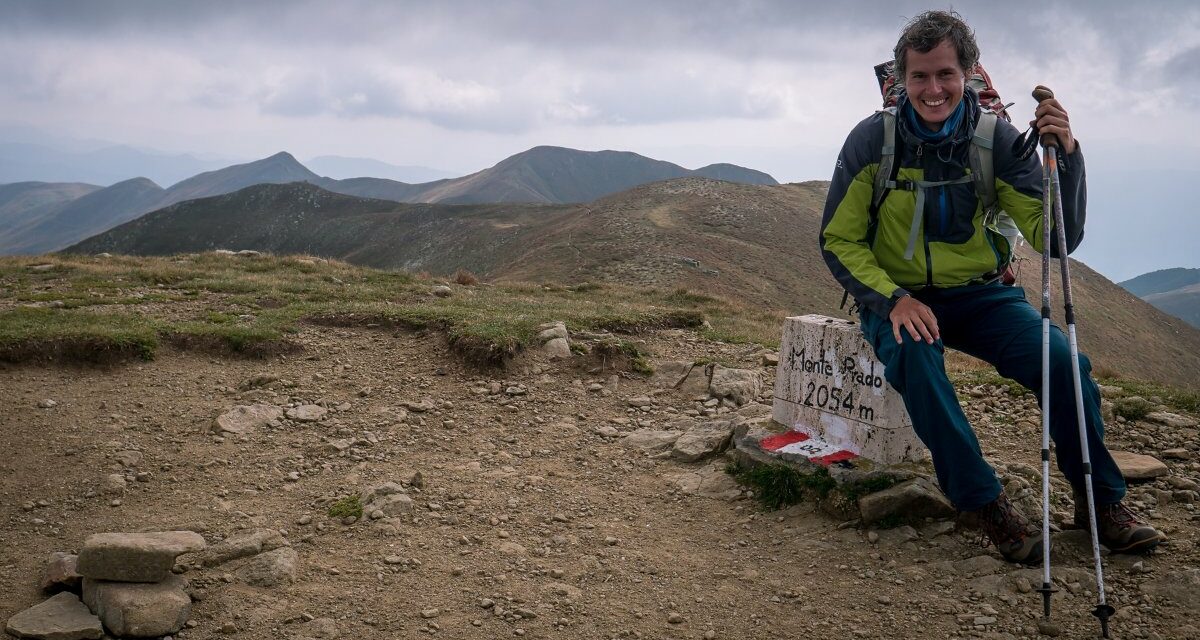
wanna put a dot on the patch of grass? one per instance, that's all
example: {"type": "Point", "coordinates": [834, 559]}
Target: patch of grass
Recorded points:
{"type": "Point", "coordinates": [683, 296]}
{"type": "Point", "coordinates": [349, 506]}
{"type": "Point", "coordinates": [257, 341]}
{"type": "Point", "coordinates": [989, 376]}
{"type": "Point", "coordinates": [62, 334]}
{"type": "Point", "coordinates": [1132, 408]}
{"type": "Point", "coordinates": [777, 485]}
{"type": "Point", "coordinates": [622, 353]}
{"type": "Point", "coordinates": [1178, 399]}
{"type": "Point", "coordinates": [485, 324]}
{"type": "Point", "coordinates": [219, 317]}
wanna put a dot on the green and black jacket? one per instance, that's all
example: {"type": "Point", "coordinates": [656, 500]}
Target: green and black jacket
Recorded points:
{"type": "Point", "coordinates": [955, 246]}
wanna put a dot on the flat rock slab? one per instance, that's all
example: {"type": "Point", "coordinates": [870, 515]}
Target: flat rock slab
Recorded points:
{"type": "Point", "coordinates": [63, 617]}
{"type": "Point", "coordinates": [135, 557]}
{"type": "Point", "coordinates": [243, 419]}
{"type": "Point", "coordinates": [651, 441]}
{"type": "Point", "coordinates": [243, 545]}
{"type": "Point", "coordinates": [916, 498]}
{"type": "Point", "coordinates": [61, 572]}
{"type": "Point", "coordinates": [1172, 419]}
{"type": "Point", "coordinates": [139, 610]}
{"type": "Point", "coordinates": [419, 406]}
{"type": "Point", "coordinates": [703, 440]}
{"type": "Point", "coordinates": [390, 497]}
{"type": "Point", "coordinates": [1135, 466]}
{"type": "Point", "coordinates": [270, 569]}
{"type": "Point", "coordinates": [695, 384]}
{"type": "Point", "coordinates": [739, 385]}
{"type": "Point", "coordinates": [307, 413]}
{"type": "Point", "coordinates": [668, 374]}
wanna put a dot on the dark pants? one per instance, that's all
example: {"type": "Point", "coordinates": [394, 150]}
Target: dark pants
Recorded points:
{"type": "Point", "coordinates": [994, 323]}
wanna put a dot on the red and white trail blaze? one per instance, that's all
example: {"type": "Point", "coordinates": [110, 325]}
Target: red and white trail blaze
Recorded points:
{"type": "Point", "coordinates": [813, 448]}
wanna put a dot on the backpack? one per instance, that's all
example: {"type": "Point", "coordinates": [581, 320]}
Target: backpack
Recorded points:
{"type": "Point", "coordinates": [979, 155]}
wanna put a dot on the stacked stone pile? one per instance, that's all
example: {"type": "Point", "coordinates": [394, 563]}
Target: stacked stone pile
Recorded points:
{"type": "Point", "coordinates": [127, 586]}
{"type": "Point", "coordinates": [555, 340]}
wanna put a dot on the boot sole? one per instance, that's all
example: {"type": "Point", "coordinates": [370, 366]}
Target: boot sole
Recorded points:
{"type": "Point", "coordinates": [1137, 547]}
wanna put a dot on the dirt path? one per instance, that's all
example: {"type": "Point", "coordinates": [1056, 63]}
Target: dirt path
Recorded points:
{"type": "Point", "coordinates": [530, 522]}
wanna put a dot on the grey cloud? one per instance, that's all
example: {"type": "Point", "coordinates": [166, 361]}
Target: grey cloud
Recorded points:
{"type": "Point", "coordinates": [746, 27]}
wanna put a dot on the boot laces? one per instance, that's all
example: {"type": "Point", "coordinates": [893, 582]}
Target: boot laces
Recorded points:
{"type": "Point", "coordinates": [1121, 515]}
{"type": "Point", "coordinates": [1001, 524]}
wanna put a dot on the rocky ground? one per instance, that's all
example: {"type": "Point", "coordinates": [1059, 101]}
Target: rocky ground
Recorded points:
{"type": "Point", "coordinates": [529, 515]}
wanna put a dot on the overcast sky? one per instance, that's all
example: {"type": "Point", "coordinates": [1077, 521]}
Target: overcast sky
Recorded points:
{"type": "Point", "coordinates": [461, 85]}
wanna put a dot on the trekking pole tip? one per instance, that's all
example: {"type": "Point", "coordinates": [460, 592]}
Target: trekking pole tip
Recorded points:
{"type": "Point", "coordinates": [1104, 612]}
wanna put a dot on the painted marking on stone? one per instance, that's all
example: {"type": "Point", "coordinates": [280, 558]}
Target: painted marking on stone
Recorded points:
{"type": "Point", "coordinates": [813, 448]}
{"type": "Point", "coordinates": [776, 442]}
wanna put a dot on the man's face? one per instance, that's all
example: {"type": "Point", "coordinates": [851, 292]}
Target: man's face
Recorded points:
{"type": "Point", "coordinates": [934, 82]}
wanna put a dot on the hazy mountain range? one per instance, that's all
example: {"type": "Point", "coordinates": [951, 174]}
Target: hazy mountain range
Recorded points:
{"type": "Point", "coordinates": [750, 243]}
{"type": "Point", "coordinates": [340, 167]}
{"type": "Point", "coordinates": [1175, 291]}
{"type": "Point", "coordinates": [39, 217]}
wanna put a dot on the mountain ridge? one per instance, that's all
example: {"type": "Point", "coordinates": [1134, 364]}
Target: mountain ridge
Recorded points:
{"type": "Point", "coordinates": [542, 174]}
{"type": "Point", "coordinates": [1175, 291]}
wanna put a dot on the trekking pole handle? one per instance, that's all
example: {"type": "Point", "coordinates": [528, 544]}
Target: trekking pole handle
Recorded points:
{"type": "Point", "coordinates": [1042, 93]}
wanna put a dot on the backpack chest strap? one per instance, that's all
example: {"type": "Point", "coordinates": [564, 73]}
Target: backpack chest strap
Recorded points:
{"type": "Point", "coordinates": [920, 186]}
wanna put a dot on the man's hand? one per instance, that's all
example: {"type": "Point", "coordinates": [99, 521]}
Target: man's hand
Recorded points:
{"type": "Point", "coordinates": [1051, 117]}
{"type": "Point", "coordinates": [915, 316]}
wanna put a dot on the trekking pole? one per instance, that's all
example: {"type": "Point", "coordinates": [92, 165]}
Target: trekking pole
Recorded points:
{"type": "Point", "coordinates": [1054, 194]}
{"type": "Point", "coordinates": [1047, 213]}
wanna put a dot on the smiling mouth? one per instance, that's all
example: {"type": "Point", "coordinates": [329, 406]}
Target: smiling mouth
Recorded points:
{"type": "Point", "coordinates": [934, 103]}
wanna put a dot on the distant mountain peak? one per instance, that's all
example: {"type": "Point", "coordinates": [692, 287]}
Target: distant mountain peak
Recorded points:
{"type": "Point", "coordinates": [282, 156]}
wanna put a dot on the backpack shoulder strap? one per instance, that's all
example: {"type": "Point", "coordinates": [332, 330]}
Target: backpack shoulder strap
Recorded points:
{"type": "Point", "coordinates": [983, 170]}
{"type": "Point", "coordinates": [887, 159]}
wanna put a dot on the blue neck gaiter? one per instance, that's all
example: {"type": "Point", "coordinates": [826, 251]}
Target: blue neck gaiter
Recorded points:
{"type": "Point", "coordinates": [948, 127]}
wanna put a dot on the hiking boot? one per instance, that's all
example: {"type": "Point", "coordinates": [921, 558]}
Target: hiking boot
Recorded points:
{"type": "Point", "coordinates": [1006, 527]}
{"type": "Point", "coordinates": [1119, 528]}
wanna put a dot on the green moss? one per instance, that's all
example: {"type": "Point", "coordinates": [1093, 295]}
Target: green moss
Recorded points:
{"type": "Point", "coordinates": [349, 506]}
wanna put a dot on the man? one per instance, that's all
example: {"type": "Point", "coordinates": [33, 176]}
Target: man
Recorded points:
{"type": "Point", "coordinates": [928, 278]}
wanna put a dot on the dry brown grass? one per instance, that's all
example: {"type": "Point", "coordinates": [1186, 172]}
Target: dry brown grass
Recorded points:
{"type": "Point", "coordinates": [465, 277]}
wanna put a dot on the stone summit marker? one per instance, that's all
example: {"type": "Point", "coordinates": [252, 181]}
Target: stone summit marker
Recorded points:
{"type": "Point", "coordinates": [830, 392]}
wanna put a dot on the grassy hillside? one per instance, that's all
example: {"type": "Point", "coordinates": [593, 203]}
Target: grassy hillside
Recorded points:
{"type": "Point", "coordinates": [101, 308]}
{"type": "Point", "coordinates": [754, 245]}
{"type": "Point", "coordinates": [1183, 303]}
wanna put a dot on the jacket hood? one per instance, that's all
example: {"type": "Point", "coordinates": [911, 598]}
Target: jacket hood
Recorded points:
{"type": "Point", "coordinates": [965, 130]}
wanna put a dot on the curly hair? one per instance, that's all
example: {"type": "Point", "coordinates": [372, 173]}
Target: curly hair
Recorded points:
{"type": "Point", "coordinates": [928, 30]}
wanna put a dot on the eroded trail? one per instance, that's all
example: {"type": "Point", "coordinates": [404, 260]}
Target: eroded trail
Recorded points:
{"type": "Point", "coordinates": [533, 518]}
